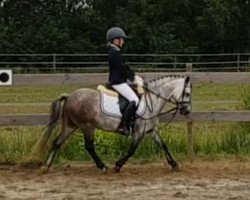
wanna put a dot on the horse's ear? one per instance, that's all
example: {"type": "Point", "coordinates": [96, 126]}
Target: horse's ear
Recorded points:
{"type": "Point", "coordinates": [187, 80]}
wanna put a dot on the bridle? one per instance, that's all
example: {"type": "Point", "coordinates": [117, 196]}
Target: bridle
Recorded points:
{"type": "Point", "coordinates": [176, 103]}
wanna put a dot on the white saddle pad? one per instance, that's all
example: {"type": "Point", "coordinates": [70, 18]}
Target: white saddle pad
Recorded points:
{"type": "Point", "coordinates": [110, 106]}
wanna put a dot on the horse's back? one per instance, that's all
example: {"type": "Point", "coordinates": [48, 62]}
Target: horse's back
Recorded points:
{"type": "Point", "coordinates": [84, 95]}
{"type": "Point", "coordinates": [84, 90]}
{"type": "Point", "coordinates": [82, 100]}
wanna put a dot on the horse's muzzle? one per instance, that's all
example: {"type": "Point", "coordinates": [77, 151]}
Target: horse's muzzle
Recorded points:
{"type": "Point", "coordinates": [184, 111]}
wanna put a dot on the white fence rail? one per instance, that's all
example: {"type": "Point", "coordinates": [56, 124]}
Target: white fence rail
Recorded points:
{"type": "Point", "coordinates": [150, 62]}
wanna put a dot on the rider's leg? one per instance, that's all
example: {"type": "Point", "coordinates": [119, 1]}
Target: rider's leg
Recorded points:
{"type": "Point", "coordinates": [128, 117]}
{"type": "Point", "coordinates": [126, 91]}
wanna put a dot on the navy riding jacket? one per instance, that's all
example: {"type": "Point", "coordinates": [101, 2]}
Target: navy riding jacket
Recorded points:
{"type": "Point", "coordinates": [119, 72]}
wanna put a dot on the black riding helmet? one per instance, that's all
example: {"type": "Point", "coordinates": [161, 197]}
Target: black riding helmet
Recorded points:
{"type": "Point", "coordinates": [115, 32]}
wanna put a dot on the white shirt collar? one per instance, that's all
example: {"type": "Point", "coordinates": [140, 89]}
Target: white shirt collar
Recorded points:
{"type": "Point", "coordinates": [116, 47]}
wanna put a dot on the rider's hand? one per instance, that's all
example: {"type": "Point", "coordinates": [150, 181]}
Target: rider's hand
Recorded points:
{"type": "Point", "coordinates": [138, 80]}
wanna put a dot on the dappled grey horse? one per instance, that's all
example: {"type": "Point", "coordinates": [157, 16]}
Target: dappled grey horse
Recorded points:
{"type": "Point", "coordinates": [81, 109]}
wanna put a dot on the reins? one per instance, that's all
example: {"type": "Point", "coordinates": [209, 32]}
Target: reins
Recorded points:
{"type": "Point", "coordinates": [148, 91]}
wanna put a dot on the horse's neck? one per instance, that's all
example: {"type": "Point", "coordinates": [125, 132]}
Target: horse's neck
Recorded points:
{"type": "Point", "coordinates": [165, 87]}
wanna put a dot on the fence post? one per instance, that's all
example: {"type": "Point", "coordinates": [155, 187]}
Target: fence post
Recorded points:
{"type": "Point", "coordinates": [175, 60]}
{"type": "Point", "coordinates": [54, 61]}
{"type": "Point", "coordinates": [238, 62]}
{"type": "Point", "coordinates": [190, 136]}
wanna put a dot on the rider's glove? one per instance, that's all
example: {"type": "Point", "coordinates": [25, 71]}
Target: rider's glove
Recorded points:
{"type": "Point", "coordinates": [138, 80]}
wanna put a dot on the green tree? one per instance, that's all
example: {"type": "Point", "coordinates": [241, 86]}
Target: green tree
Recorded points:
{"type": "Point", "coordinates": [154, 26]}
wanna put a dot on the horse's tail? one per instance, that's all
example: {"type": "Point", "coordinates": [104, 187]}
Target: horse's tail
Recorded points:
{"type": "Point", "coordinates": [42, 146]}
{"type": "Point", "coordinates": [55, 110]}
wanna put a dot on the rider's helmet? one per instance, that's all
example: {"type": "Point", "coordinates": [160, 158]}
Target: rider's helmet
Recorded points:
{"type": "Point", "coordinates": [115, 32]}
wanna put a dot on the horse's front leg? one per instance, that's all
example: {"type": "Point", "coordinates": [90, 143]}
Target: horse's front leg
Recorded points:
{"type": "Point", "coordinates": [136, 139]}
{"type": "Point", "coordinates": [170, 159]}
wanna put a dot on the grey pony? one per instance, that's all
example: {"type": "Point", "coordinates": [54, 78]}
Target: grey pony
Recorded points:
{"type": "Point", "coordinates": [81, 109]}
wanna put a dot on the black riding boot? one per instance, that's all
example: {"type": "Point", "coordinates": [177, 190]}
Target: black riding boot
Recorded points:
{"type": "Point", "coordinates": [128, 119]}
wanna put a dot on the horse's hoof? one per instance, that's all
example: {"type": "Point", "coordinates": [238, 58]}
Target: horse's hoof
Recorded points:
{"type": "Point", "coordinates": [117, 169]}
{"type": "Point", "coordinates": [44, 169]}
{"type": "Point", "coordinates": [176, 168]}
{"type": "Point", "coordinates": [105, 169]}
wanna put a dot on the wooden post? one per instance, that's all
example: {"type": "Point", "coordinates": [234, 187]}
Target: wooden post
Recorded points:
{"type": "Point", "coordinates": [189, 67]}
{"type": "Point", "coordinates": [238, 62]}
{"type": "Point", "coordinates": [54, 61]}
{"type": "Point", "coordinates": [190, 136]}
{"type": "Point", "coordinates": [175, 60]}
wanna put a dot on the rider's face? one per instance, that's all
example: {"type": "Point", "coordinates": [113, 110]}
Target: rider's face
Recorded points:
{"type": "Point", "coordinates": [118, 42]}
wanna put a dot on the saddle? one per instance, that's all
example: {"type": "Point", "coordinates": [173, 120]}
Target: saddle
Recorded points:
{"type": "Point", "coordinates": [109, 91]}
{"type": "Point", "coordinates": [123, 102]}
{"type": "Point", "coordinates": [112, 103]}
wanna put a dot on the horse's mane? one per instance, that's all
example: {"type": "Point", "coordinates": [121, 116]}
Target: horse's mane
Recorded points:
{"type": "Point", "coordinates": [172, 76]}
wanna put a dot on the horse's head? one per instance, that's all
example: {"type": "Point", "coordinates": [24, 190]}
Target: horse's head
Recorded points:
{"type": "Point", "coordinates": [175, 89]}
{"type": "Point", "coordinates": [181, 95]}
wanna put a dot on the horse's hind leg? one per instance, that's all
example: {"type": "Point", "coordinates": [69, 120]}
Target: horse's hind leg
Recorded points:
{"type": "Point", "coordinates": [89, 133]}
{"type": "Point", "coordinates": [58, 142]}
{"type": "Point", "coordinates": [156, 136]}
